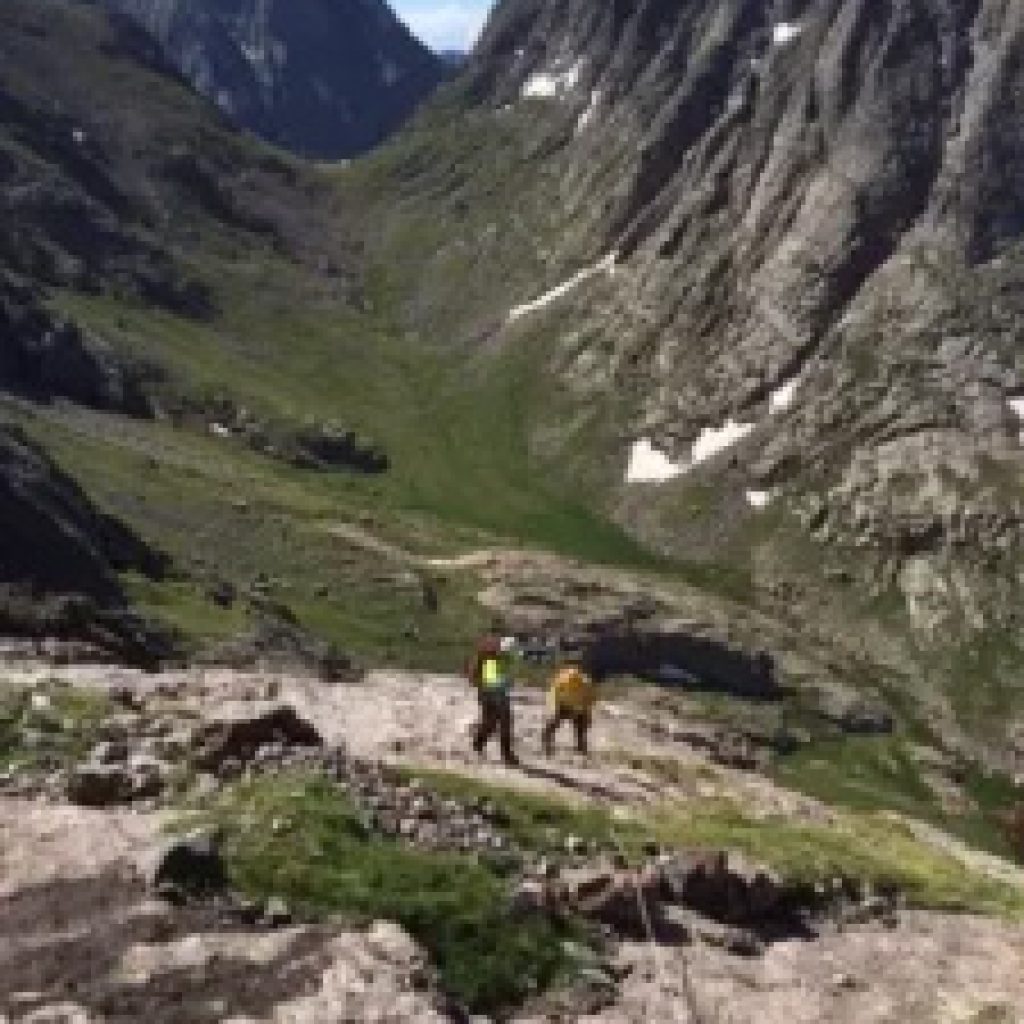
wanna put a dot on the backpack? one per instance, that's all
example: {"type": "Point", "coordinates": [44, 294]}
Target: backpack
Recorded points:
{"type": "Point", "coordinates": [488, 647]}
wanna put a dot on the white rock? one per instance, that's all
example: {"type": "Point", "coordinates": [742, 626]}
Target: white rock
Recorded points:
{"type": "Point", "coordinates": [759, 499]}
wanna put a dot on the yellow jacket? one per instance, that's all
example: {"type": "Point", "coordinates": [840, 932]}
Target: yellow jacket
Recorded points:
{"type": "Point", "coordinates": [572, 690]}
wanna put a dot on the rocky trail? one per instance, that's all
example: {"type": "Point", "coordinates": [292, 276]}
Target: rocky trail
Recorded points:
{"type": "Point", "coordinates": [84, 937]}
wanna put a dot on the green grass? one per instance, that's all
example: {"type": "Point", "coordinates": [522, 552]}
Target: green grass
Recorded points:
{"type": "Point", "coordinates": [457, 429]}
{"type": "Point", "coordinates": [873, 847]}
{"type": "Point", "coordinates": [984, 678]}
{"type": "Point", "coordinates": [537, 822]}
{"type": "Point", "coordinates": [327, 865]}
{"type": "Point", "coordinates": [867, 845]}
{"type": "Point", "coordinates": [68, 727]}
{"type": "Point", "coordinates": [862, 773]}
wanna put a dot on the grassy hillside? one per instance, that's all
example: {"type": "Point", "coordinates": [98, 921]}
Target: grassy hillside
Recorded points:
{"type": "Point", "coordinates": [311, 323]}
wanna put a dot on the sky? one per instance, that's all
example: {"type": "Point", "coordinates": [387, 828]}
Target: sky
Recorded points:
{"type": "Point", "coordinates": [444, 24]}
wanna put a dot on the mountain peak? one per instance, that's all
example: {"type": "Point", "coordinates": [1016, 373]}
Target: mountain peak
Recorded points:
{"type": "Point", "coordinates": [328, 81]}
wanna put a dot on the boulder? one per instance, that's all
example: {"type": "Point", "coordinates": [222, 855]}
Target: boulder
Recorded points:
{"type": "Point", "coordinates": [240, 738]}
{"type": "Point", "coordinates": [100, 785]}
{"type": "Point", "coordinates": [192, 865]}
{"type": "Point", "coordinates": [704, 883]}
{"type": "Point", "coordinates": [111, 779]}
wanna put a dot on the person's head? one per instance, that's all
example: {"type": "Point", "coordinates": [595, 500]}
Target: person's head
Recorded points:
{"type": "Point", "coordinates": [573, 657]}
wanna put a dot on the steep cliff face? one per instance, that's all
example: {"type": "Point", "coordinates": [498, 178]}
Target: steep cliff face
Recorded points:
{"type": "Point", "coordinates": [813, 211]}
{"type": "Point", "coordinates": [329, 79]}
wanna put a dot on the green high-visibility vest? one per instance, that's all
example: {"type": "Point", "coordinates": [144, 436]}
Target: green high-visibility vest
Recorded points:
{"type": "Point", "coordinates": [494, 673]}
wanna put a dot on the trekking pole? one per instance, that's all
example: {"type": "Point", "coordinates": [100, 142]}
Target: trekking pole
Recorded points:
{"type": "Point", "coordinates": [689, 992]}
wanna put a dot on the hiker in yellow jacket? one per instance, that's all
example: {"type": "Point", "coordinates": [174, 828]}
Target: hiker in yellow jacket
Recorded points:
{"type": "Point", "coordinates": [571, 698]}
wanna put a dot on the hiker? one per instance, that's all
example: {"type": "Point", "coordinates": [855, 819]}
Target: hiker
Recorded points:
{"type": "Point", "coordinates": [491, 673]}
{"type": "Point", "coordinates": [571, 698]}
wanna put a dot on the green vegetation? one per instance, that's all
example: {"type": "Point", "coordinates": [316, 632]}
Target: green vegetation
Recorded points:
{"type": "Point", "coordinates": [984, 679]}
{"type": "Point", "coordinates": [537, 822]}
{"type": "Point", "coordinates": [861, 773]}
{"type": "Point", "coordinates": [463, 473]}
{"type": "Point", "coordinates": [869, 845]}
{"type": "Point", "coordinates": [63, 724]}
{"type": "Point", "coordinates": [454, 906]}
{"type": "Point", "coordinates": [882, 773]}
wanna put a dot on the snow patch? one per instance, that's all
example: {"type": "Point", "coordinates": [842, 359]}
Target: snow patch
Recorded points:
{"type": "Point", "coordinates": [649, 465]}
{"type": "Point", "coordinates": [605, 266]}
{"type": "Point", "coordinates": [759, 499]}
{"type": "Point", "coordinates": [785, 32]}
{"type": "Point", "coordinates": [784, 395]}
{"type": "Point", "coordinates": [550, 85]}
{"type": "Point", "coordinates": [713, 440]}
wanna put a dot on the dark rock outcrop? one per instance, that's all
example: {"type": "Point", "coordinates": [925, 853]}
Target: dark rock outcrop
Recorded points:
{"type": "Point", "coordinates": [330, 79]}
{"type": "Point", "coordinates": [54, 541]}
{"type": "Point", "coordinates": [240, 738]}
{"type": "Point", "coordinates": [192, 865]}
{"type": "Point", "coordinates": [43, 359]}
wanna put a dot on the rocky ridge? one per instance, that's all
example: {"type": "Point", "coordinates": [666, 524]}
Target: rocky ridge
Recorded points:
{"type": "Point", "coordinates": [815, 269]}
{"type": "Point", "coordinates": [330, 82]}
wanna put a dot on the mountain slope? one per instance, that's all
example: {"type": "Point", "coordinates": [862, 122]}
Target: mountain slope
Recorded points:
{"type": "Point", "coordinates": [769, 258]}
{"type": "Point", "coordinates": [431, 351]}
{"type": "Point", "coordinates": [330, 79]}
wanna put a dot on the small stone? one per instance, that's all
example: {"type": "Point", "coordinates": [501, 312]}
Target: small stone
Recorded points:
{"type": "Point", "coordinates": [99, 785]}
{"type": "Point", "coordinates": [844, 982]}
{"type": "Point", "coordinates": [192, 864]}
{"type": "Point", "coordinates": [109, 752]}
{"type": "Point", "coordinates": [276, 914]}
{"type": "Point", "coordinates": [575, 846]}
{"type": "Point", "coordinates": [171, 893]}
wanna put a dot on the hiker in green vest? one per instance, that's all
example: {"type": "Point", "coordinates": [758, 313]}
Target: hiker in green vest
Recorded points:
{"type": "Point", "coordinates": [491, 673]}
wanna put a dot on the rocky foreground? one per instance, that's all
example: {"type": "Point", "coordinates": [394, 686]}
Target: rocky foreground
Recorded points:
{"type": "Point", "coordinates": [106, 917]}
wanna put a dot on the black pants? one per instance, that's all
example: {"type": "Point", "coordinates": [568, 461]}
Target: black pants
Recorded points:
{"type": "Point", "coordinates": [495, 717]}
{"type": "Point", "coordinates": [580, 721]}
